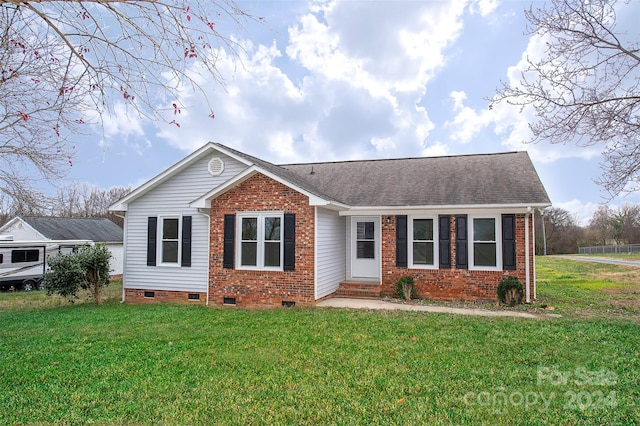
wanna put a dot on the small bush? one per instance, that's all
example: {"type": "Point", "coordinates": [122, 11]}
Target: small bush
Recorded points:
{"type": "Point", "coordinates": [405, 288]}
{"type": "Point", "coordinates": [88, 269]}
{"type": "Point", "coordinates": [510, 291]}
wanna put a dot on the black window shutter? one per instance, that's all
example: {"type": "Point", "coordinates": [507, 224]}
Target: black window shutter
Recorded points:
{"type": "Point", "coordinates": [152, 231]}
{"type": "Point", "coordinates": [289, 242]}
{"type": "Point", "coordinates": [186, 241]}
{"type": "Point", "coordinates": [401, 241]}
{"type": "Point", "coordinates": [444, 241]}
{"type": "Point", "coordinates": [462, 247]}
{"type": "Point", "coordinates": [229, 243]}
{"type": "Point", "coordinates": [509, 242]}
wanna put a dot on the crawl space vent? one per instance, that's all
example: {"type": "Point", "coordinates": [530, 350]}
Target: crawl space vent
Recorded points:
{"type": "Point", "coordinates": [216, 166]}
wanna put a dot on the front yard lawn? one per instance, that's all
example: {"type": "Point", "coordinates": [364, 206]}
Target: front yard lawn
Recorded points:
{"type": "Point", "coordinates": [124, 364]}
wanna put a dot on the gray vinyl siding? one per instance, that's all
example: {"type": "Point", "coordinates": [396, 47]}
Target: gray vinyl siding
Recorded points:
{"type": "Point", "coordinates": [172, 197]}
{"type": "Point", "coordinates": [330, 250]}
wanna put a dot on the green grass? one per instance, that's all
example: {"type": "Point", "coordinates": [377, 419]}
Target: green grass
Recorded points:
{"type": "Point", "coordinates": [581, 289]}
{"type": "Point", "coordinates": [123, 364]}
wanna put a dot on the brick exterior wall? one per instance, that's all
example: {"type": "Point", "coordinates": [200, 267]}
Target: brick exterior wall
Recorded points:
{"type": "Point", "coordinates": [452, 284]}
{"type": "Point", "coordinates": [134, 295]}
{"type": "Point", "coordinates": [262, 288]}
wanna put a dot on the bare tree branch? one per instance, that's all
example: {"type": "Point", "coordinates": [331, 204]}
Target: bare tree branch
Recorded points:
{"type": "Point", "coordinates": [585, 89]}
{"type": "Point", "coordinates": [64, 62]}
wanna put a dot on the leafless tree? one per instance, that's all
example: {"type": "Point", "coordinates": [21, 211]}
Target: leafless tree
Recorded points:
{"type": "Point", "coordinates": [626, 223]}
{"type": "Point", "coordinates": [562, 231]}
{"type": "Point", "coordinates": [64, 63]}
{"type": "Point", "coordinates": [84, 200]}
{"type": "Point", "coordinates": [586, 87]}
{"type": "Point", "coordinates": [601, 225]}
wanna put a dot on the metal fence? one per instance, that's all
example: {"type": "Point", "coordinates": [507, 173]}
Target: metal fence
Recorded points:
{"type": "Point", "coordinates": [622, 248]}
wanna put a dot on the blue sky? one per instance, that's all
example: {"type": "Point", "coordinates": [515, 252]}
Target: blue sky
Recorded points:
{"type": "Point", "coordinates": [326, 81]}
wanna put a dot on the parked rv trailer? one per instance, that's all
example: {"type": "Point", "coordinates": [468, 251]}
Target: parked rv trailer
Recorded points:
{"type": "Point", "coordinates": [24, 263]}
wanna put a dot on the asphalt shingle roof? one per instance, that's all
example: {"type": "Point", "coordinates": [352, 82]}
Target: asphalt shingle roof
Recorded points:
{"type": "Point", "coordinates": [99, 230]}
{"type": "Point", "coordinates": [504, 178]}
{"type": "Point", "coordinates": [481, 179]}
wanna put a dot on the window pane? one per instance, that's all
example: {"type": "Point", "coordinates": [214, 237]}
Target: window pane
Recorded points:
{"type": "Point", "coordinates": [365, 250]}
{"type": "Point", "coordinates": [484, 229]}
{"type": "Point", "coordinates": [423, 253]}
{"type": "Point", "coordinates": [484, 254]}
{"type": "Point", "coordinates": [271, 254]}
{"type": "Point", "coordinates": [250, 228]}
{"type": "Point", "coordinates": [368, 231]}
{"type": "Point", "coordinates": [21, 256]}
{"type": "Point", "coordinates": [365, 230]}
{"type": "Point", "coordinates": [170, 229]}
{"type": "Point", "coordinates": [249, 254]}
{"type": "Point", "coordinates": [423, 229]}
{"type": "Point", "coordinates": [169, 251]}
{"type": "Point", "coordinates": [272, 228]}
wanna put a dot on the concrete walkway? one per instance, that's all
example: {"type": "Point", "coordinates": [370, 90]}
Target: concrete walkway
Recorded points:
{"type": "Point", "coordinates": [338, 302]}
{"type": "Point", "coordinates": [609, 260]}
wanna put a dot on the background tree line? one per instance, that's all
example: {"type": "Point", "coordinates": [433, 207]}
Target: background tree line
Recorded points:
{"type": "Point", "coordinates": [76, 200]}
{"type": "Point", "coordinates": [608, 226]}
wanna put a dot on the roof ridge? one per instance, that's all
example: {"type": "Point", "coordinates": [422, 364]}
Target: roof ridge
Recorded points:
{"type": "Point", "coordinates": [66, 217]}
{"type": "Point", "coordinates": [403, 158]}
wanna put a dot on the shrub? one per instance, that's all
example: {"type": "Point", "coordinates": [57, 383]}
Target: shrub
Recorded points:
{"type": "Point", "coordinates": [405, 288]}
{"type": "Point", "coordinates": [88, 269]}
{"type": "Point", "coordinates": [510, 291]}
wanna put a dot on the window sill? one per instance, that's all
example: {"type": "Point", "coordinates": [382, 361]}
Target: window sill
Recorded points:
{"type": "Point", "coordinates": [169, 265]}
{"type": "Point", "coordinates": [427, 267]}
{"type": "Point", "coordinates": [246, 268]}
{"type": "Point", "coordinates": [485, 268]}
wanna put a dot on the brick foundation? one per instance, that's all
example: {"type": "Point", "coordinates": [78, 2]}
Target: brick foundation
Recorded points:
{"type": "Point", "coordinates": [133, 295]}
{"type": "Point", "coordinates": [252, 288]}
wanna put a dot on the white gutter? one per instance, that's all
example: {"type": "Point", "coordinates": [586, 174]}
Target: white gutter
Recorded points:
{"type": "Point", "coordinates": [40, 243]}
{"type": "Point", "coordinates": [449, 208]}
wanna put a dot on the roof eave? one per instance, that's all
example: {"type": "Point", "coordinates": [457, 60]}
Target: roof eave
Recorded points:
{"type": "Point", "coordinates": [451, 208]}
{"type": "Point", "coordinates": [314, 200]}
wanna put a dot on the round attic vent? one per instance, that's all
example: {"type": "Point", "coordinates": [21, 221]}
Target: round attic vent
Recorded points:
{"type": "Point", "coordinates": [216, 166]}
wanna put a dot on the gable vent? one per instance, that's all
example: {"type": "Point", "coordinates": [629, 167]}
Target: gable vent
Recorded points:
{"type": "Point", "coordinates": [216, 166]}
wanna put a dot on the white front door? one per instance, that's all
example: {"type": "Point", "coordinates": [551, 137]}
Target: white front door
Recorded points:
{"type": "Point", "coordinates": [365, 247]}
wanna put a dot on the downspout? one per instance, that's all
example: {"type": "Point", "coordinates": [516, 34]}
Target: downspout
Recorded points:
{"type": "Point", "coordinates": [533, 228]}
{"type": "Point", "coordinates": [205, 212]}
{"type": "Point", "coordinates": [124, 251]}
{"type": "Point", "coordinates": [526, 255]}
{"type": "Point", "coordinates": [315, 253]}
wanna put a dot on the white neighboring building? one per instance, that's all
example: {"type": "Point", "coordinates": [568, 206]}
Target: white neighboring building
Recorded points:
{"type": "Point", "coordinates": [98, 230]}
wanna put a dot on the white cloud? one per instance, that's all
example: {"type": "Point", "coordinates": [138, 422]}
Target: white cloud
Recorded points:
{"type": "Point", "coordinates": [511, 123]}
{"type": "Point", "coordinates": [436, 149]}
{"type": "Point", "coordinates": [356, 73]}
{"type": "Point", "coordinates": [123, 122]}
{"type": "Point", "coordinates": [467, 123]}
{"type": "Point", "coordinates": [483, 7]}
{"type": "Point", "coordinates": [583, 211]}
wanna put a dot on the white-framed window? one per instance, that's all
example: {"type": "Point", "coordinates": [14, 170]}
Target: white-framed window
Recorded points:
{"type": "Point", "coordinates": [260, 240]}
{"type": "Point", "coordinates": [169, 248]}
{"type": "Point", "coordinates": [485, 247]}
{"type": "Point", "coordinates": [423, 242]}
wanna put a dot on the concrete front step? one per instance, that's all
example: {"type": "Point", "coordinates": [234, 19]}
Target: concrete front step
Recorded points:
{"type": "Point", "coordinates": [359, 290]}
